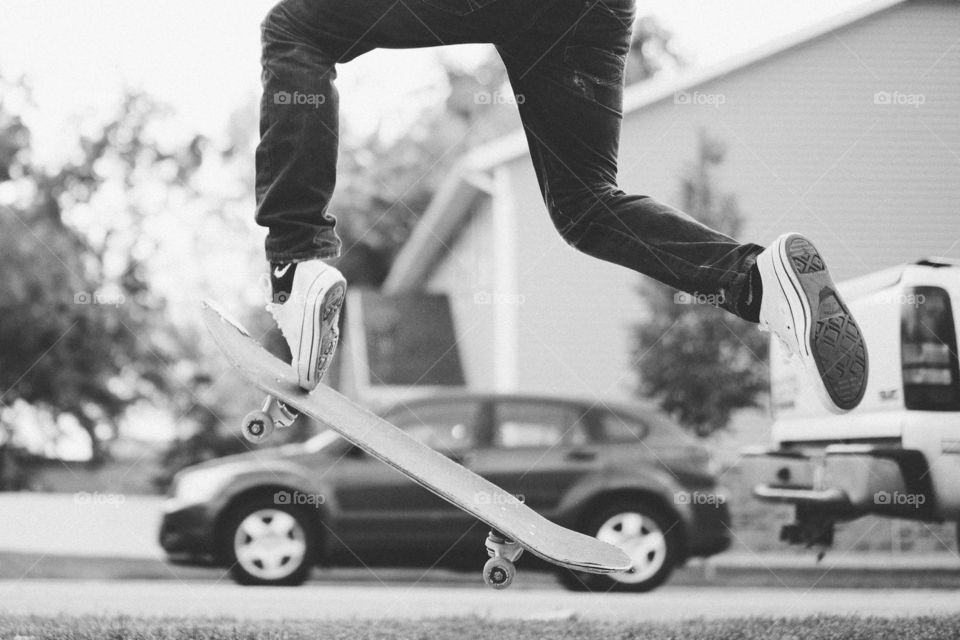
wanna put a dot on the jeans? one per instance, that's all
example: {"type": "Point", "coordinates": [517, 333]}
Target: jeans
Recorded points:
{"type": "Point", "coordinates": [565, 61]}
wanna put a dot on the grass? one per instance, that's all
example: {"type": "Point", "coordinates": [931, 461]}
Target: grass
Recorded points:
{"type": "Point", "coordinates": [810, 628]}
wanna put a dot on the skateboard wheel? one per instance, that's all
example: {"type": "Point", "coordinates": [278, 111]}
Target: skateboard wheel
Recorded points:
{"type": "Point", "coordinates": [257, 426]}
{"type": "Point", "coordinates": [499, 573]}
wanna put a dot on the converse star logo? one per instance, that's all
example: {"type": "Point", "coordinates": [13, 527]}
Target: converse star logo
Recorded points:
{"type": "Point", "coordinates": [279, 272]}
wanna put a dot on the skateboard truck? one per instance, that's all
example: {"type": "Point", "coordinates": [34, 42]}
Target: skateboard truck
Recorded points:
{"type": "Point", "coordinates": [258, 425]}
{"type": "Point", "coordinates": [499, 571]}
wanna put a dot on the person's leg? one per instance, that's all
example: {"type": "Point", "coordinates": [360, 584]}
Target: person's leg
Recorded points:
{"type": "Point", "coordinates": [569, 81]}
{"type": "Point", "coordinates": [568, 77]}
{"type": "Point", "coordinates": [303, 40]}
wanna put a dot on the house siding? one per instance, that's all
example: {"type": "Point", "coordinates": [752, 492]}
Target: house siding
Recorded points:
{"type": "Point", "coordinates": [808, 150]}
{"type": "Point", "coordinates": [574, 325]}
{"type": "Point", "coordinates": [465, 275]}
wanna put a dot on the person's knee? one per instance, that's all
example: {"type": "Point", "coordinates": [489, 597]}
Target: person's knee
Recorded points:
{"type": "Point", "coordinates": [574, 210]}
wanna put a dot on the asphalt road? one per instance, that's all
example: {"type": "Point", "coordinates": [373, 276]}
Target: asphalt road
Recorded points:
{"type": "Point", "coordinates": [170, 598]}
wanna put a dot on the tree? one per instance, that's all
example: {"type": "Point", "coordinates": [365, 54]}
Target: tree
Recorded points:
{"type": "Point", "coordinates": [652, 50]}
{"type": "Point", "coordinates": [700, 363]}
{"type": "Point", "coordinates": [82, 331]}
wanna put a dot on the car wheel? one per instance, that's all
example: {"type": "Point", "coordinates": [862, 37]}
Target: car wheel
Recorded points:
{"type": "Point", "coordinates": [646, 533]}
{"type": "Point", "coordinates": [269, 544]}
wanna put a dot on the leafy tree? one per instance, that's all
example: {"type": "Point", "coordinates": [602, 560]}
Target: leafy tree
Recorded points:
{"type": "Point", "coordinates": [81, 329]}
{"type": "Point", "coordinates": [699, 362]}
{"type": "Point", "coordinates": [652, 50]}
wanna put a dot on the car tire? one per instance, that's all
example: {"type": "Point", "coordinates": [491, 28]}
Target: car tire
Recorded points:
{"type": "Point", "coordinates": [269, 544]}
{"type": "Point", "coordinates": [646, 532]}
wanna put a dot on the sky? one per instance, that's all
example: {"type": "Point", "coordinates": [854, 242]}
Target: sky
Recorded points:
{"type": "Point", "coordinates": [203, 57]}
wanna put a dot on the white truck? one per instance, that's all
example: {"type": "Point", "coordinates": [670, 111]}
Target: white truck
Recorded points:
{"type": "Point", "coordinates": [898, 453]}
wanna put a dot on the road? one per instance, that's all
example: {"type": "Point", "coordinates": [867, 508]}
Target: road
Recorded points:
{"type": "Point", "coordinates": [325, 601]}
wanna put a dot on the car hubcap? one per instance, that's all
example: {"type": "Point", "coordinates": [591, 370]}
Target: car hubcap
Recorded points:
{"type": "Point", "coordinates": [641, 538]}
{"type": "Point", "coordinates": [270, 544]}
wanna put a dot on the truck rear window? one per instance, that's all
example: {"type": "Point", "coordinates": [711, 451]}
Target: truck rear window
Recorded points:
{"type": "Point", "coordinates": [928, 339]}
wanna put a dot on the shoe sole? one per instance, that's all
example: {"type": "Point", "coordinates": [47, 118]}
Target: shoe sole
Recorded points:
{"type": "Point", "coordinates": [323, 334]}
{"type": "Point", "coordinates": [831, 343]}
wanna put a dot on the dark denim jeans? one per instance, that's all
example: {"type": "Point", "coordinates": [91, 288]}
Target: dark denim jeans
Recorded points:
{"type": "Point", "coordinates": [565, 60]}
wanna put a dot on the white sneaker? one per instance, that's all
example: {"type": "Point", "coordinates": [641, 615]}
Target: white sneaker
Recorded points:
{"type": "Point", "coordinates": [801, 306]}
{"type": "Point", "coordinates": [306, 298]}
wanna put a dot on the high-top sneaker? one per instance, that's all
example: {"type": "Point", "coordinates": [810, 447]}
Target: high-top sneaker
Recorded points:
{"type": "Point", "coordinates": [306, 298]}
{"type": "Point", "coordinates": [801, 306]}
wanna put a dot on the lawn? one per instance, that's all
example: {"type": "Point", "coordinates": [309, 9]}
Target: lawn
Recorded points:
{"type": "Point", "coordinates": [811, 628]}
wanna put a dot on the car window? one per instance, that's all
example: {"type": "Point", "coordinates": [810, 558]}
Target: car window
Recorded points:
{"type": "Point", "coordinates": [448, 426]}
{"type": "Point", "coordinates": [616, 427]}
{"type": "Point", "coordinates": [642, 424]}
{"type": "Point", "coordinates": [528, 424]}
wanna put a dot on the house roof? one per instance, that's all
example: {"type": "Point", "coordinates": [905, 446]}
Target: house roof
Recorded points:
{"type": "Point", "coordinates": [469, 180]}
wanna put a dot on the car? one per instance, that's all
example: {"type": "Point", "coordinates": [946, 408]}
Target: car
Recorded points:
{"type": "Point", "coordinates": [621, 472]}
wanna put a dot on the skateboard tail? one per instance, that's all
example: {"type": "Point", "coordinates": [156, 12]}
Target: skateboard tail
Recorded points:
{"type": "Point", "coordinates": [224, 316]}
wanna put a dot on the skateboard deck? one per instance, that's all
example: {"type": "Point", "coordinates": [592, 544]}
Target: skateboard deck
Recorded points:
{"type": "Point", "coordinates": [431, 469]}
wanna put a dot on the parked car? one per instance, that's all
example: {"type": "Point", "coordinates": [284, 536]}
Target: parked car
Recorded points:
{"type": "Point", "coordinates": [625, 474]}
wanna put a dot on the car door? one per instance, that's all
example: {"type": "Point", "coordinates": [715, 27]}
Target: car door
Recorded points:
{"type": "Point", "coordinates": [381, 509]}
{"type": "Point", "coordinates": [537, 451]}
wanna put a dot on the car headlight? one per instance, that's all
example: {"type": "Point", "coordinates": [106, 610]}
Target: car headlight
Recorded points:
{"type": "Point", "coordinates": [199, 486]}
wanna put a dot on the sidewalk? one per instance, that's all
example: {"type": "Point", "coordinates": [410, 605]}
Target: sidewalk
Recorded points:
{"type": "Point", "coordinates": [807, 560]}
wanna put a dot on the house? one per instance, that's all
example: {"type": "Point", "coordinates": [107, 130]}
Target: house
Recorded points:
{"type": "Point", "coordinates": [848, 132]}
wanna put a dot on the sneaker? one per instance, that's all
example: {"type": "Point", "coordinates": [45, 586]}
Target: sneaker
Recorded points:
{"type": "Point", "coordinates": [801, 306]}
{"type": "Point", "coordinates": [306, 298]}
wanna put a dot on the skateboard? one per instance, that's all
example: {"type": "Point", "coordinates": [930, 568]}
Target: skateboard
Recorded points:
{"type": "Point", "coordinates": [515, 527]}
